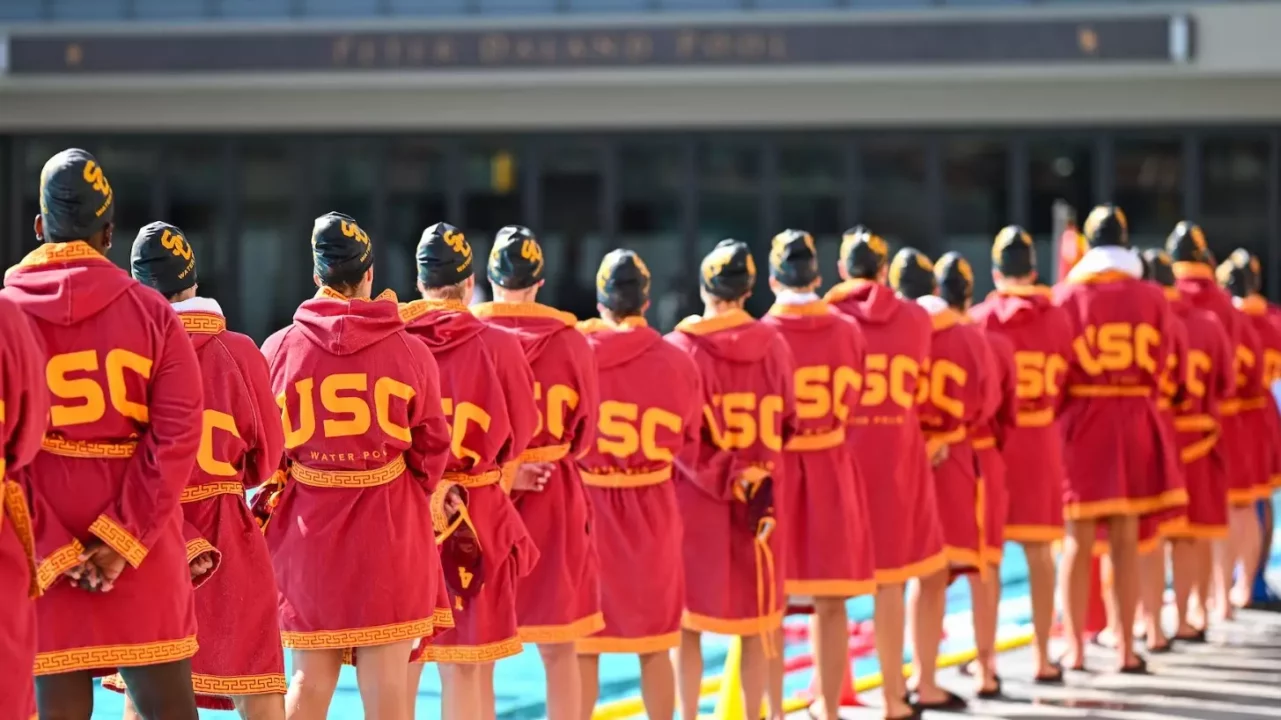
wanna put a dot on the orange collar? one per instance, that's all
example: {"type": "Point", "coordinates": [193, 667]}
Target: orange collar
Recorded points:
{"type": "Point", "coordinates": [522, 309]}
{"type": "Point", "coordinates": [1024, 291]}
{"type": "Point", "coordinates": [591, 325]}
{"type": "Point", "coordinates": [817, 307]}
{"type": "Point", "coordinates": [328, 293]}
{"type": "Point", "coordinates": [1105, 276]}
{"type": "Point", "coordinates": [946, 319]}
{"type": "Point", "coordinates": [51, 253]}
{"type": "Point", "coordinates": [1254, 305]}
{"type": "Point", "coordinates": [846, 288]}
{"type": "Point", "coordinates": [202, 323]}
{"type": "Point", "coordinates": [1172, 294]}
{"type": "Point", "coordinates": [415, 309]}
{"type": "Point", "coordinates": [698, 325]}
{"type": "Point", "coordinates": [1187, 269]}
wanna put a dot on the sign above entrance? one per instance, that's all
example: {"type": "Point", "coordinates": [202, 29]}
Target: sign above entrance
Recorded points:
{"type": "Point", "coordinates": [1149, 39]}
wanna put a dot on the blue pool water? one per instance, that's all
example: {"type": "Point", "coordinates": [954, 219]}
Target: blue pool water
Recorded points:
{"type": "Point", "coordinates": [519, 680]}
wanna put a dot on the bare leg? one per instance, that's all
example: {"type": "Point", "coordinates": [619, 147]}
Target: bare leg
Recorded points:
{"type": "Point", "coordinates": [564, 691]}
{"type": "Point", "coordinates": [689, 672]}
{"type": "Point", "coordinates": [260, 707]}
{"type": "Point", "coordinates": [488, 698]}
{"type": "Point", "coordinates": [984, 616]}
{"type": "Point", "coordinates": [1074, 582]}
{"type": "Point", "coordinates": [1040, 573]}
{"type": "Point", "coordinates": [658, 686]}
{"type": "Point", "coordinates": [755, 674]}
{"type": "Point", "coordinates": [313, 683]}
{"type": "Point", "coordinates": [1123, 541]}
{"type": "Point", "coordinates": [68, 696]}
{"type": "Point", "coordinates": [415, 679]}
{"type": "Point", "coordinates": [162, 692]}
{"type": "Point", "coordinates": [1152, 595]}
{"type": "Point", "coordinates": [1243, 522]}
{"type": "Point", "coordinates": [382, 678]}
{"type": "Point", "coordinates": [1204, 552]}
{"type": "Point", "coordinates": [888, 626]}
{"type": "Point", "coordinates": [1105, 589]}
{"type": "Point", "coordinates": [589, 681]}
{"type": "Point", "coordinates": [130, 712]}
{"type": "Point", "coordinates": [829, 631]}
{"type": "Point", "coordinates": [460, 697]}
{"type": "Point", "coordinates": [926, 635]}
{"type": "Point", "coordinates": [774, 678]}
{"type": "Point", "coordinates": [1185, 571]}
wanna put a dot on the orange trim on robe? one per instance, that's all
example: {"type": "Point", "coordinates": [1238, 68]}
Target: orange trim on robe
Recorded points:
{"type": "Point", "coordinates": [108, 656]}
{"type": "Point", "coordinates": [632, 646]}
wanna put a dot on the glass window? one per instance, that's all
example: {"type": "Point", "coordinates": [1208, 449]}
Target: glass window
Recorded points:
{"type": "Point", "coordinates": [729, 205]}
{"type": "Point", "coordinates": [169, 9]}
{"type": "Point", "coordinates": [20, 10]}
{"type": "Point", "coordinates": [892, 192]}
{"type": "Point", "coordinates": [517, 7]}
{"type": "Point", "coordinates": [275, 260]}
{"type": "Point", "coordinates": [130, 165]}
{"type": "Point", "coordinates": [1149, 187]}
{"type": "Point", "coordinates": [811, 187]}
{"type": "Point", "coordinates": [429, 7]}
{"type": "Point", "coordinates": [491, 197]}
{"type": "Point", "coordinates": [416, 200]}
{"type": "Point", "coordinates": [253, 8]}
{"type": "Point", "coordinates": [976, 202]}
{"type": "Point", "coordinates": [570, 186]}
{"type": "Point", "coordinates": [1057, 170]}
{"type": "Point", "coordinates": [1234, 194]}
{"type": "Point", "coordinates": [80, 10]}
{"type": "Point", "coordinates": [341, 8]}
{"type": "Point", "coordinates": [195, 181]}
{"type": "Point", "coordinates": [648, 215]}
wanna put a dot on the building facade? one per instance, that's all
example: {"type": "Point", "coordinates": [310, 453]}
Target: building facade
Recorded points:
{"type": "Point", "coordinates": [662, 132]}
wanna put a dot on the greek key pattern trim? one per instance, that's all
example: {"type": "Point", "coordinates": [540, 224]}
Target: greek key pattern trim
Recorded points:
{"type": "Point", "coordinates": [63, 447]}
{"type": "Point", "coordinates": [472, 654]}
{"type": "Point", "coordinates": [197, 547]}
{"type": "Point", "coordinates": [570, 632]}
{"type": "Point", "coordinates": [348, 478]}
{"type": "Point", "coordinates": [15, 506]}
{"type": "Point", "coordinates": [357, 637]}
{"type": "Point", "coordinates": [203, 323]}
{"type": "Point", "coordinates": [58, 562]}
{"type": "Point", "coordinates": [115, 656]}
{"type": "Point", "coordinates": [196, 493]}
{"type": "Point", "coordinates": [120, 540]}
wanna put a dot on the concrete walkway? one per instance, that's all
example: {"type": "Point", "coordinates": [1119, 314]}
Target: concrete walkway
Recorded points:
{"type": "Point", "coordinates": [1236, 676]}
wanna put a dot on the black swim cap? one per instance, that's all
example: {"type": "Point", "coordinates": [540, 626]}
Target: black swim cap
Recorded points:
{"type": "Point", "coordinates": [622, 282]}
{"type": "Point", "coordinates": [955, 279]}
{"type": "Point", "coordinates": [76, 199]}
{"type": "Point", "coordinates": [1106, 226]}
{"type": "Point", "coordinates": [1157, 267]}
{"type": "Point", "coordinates": [863, 253]}
{"type": "Point", "coordinates": [793, 259]}
{"type": "Point", "coordinates": [443, 256]}
{"type": "Point", "coordinates": [1012, 253]}
{"type": "Point", "coordinates": [340, 249]}
{"type": "Point", "coordinates": [912, 274]}
{"type": "Point", "coordinates": [1237, 275]}
{"type": "Point", "coordinates": [1186, 243]}
{"type": "Point", "coordinates": [516, 260]}
{"type": "Point", "coordinates": [162, 259]}
{"type": "Point", "coordinates": [728, 272]}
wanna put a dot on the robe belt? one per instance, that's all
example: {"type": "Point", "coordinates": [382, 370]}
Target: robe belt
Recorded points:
{"type": "Point", "coordinates": [196, 493]}
{"type": "Point", "coordinates": [984, 443]}
{"type": "Point", "coordinates": [816, 441]}
{"type": "Point", "coordinates": [766, 592]}
{"type": "Point", "coordinates": [1164, 404]}
{"type": "Point", "coordinates": [546, 453]}
{"type": "Point", "coordinates": [1099, 391]}
{"type": "Point", "coordinates": [1254, 403]}
{"type": "Point", "coordinates": [1231, 406]}
{"type": "Point", "coordinates": [936, 440]}
{"type": "Point", "coordinates": [13, 504]}
{"type": "Point", "coordinates": [625, 479]}
{"type": "Point", "coordinates": [348, 478]}
{"type": "Point", "coordinates": [470, 480]}
{"type": "Point", "coordinates": [1198, 423]}
{"type": "Point", "coordinates": [1035, 418]}
{"type": "Point", "coordinates": [91, 449]}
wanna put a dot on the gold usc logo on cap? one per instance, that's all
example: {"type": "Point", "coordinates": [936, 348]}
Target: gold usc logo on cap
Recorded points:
{"type": "Point", "coordinates": [176, 244]}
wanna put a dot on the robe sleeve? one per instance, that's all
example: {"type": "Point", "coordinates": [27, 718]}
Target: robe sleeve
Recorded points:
{"type": "Point", "coordinates": [701, 460]}
{"type": "Point", "coordinates": [262, 429]}
{"type": "Point", "coordinates": [428, 429]}
{"type": "Point", "coordinates": [161, 465]}
{"type": "Point", "coordinates": [588, 382]}
{"type": "Point", "coordinates": [25, 401]}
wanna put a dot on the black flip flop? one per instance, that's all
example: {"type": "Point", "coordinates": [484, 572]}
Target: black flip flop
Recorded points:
{"type": "Point", "coordinates": [953, 703]}
{"type": "Point", "coordinates": [992, 694]}
{"type": "Point", "coordinates": [1139, 668]}
{"type": "Point", "coordinates": [1056, 678]}
{"type": "Point", "coordinates": [1197, 638]}
{"type": "Point", "coordinates": [914, 715]}
{"type": "Point", "coordinates": [1162, 649]}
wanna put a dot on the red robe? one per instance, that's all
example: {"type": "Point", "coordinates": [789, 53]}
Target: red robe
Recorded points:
{"type": "Point", "coordinates": [1208, 375]}
{"type": "Point", "coordinates": [240, 448]}
{"type": "Point", "coordinates": [956, 399]}
{"type": "Point", "coordinates": [651, 412]}
{"type": "Point", "coordinates": [1116, 445]}
{"type": "Point", "coordinates": [827, 539]}
{"type": "Point", "coordinates": [560, 601]}
{"type": "Point", "coordinates": [991, 438]}
{"type": "Point", "coordinates": [24, 411]}
{"type": "Point", "coordinates": [886, 438]}
{"type": "Point", "coordinates": [1041, 335]}
{"type": "Point", "coordinates": [118, 451]}
{"type": "Point", "coordinates": [1268, 363]}
{"type": "Point", "coordinates": [1156, 526]}
{"type": "Point", "coordinates": [483, 440]}
{"type": "Point", "coordinates": [1242, 428]}
{"type": "Point", "coordinates": [733, 585]}
{"type": "Point", "coordinates": [366, 442]}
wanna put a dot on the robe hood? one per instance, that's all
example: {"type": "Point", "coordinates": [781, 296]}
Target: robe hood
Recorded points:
{"type": "Point", "coordinates": [66, 283]}
{"type": "Point", "coordinates": [202, 318]}
{"type": "Point", "coordinates": [442, 324]}
{"type": "Point", "coordinates": [615, 345]}
{"type": "Point", "coordinates": [733, 337]}
{"type": "Point", "coordinates": [343, 327]}
{"type": "Point", "coordinates": [1019, 306]}
{"type": "Point", "coordinates": [812, 317]}
{"type": "Point", "coordinates": [866, 301]}
{"type": "Point", "coordinates": [534, 324]}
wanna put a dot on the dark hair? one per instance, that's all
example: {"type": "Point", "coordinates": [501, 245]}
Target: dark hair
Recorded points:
{"type": "Point", "coordinates": [624, 307]}
{"type": "Point", "coordinates": [344, 277]}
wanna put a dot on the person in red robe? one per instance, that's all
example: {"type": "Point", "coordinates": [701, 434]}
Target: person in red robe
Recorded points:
{"type": "Point", "coordinates": [1239, 276]}
{"type": "Point", "coordinates": [957, 396]}
{"type": "Point", "coordinates": [24, 410]}
{"type": "Point", "coordinates": [887, 442]}
{"type": "Point", "coordinates": [366, 443]}
{"type": "Point", "coordinates": [1020, 311]}
{"type": "Point", "coordinates": [239, 665]}
{"type": "Point", "coordinates": [559, 603]}
{"type": "Point", "coordinates": [827, 540]}
{"type": "Point", "coordinates": [120, 445]}
{"type": "Point", "coordinates": [651, 412]}
{"type": "Point", "coordinates": [733, 582]}
{"type": "Point", "coordinates": [1115, 443]}
{"type": "Point", "coordinates": [482, 593]}
{"type": "Point", "coordinates": [1206, 374]}
{"type": "Point", "coordinates": [1241, 410]}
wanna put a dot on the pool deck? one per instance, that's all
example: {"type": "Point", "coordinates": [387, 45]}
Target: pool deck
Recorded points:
{"type": "Point", "coordinates": [1236, 676]}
